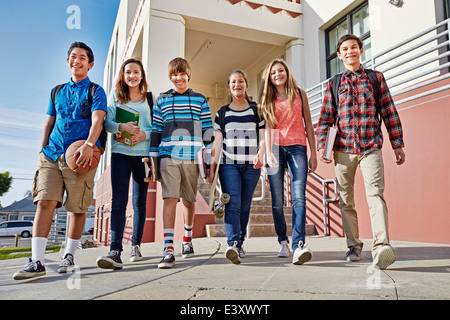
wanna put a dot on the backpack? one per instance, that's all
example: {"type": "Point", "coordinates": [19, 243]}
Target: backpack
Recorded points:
{"type": "Point", "coordinates": [223, 110]}
{"type": "Point", "coordinates": [376, 85]}
{"type": "Point", "coordinates": [92, 89]}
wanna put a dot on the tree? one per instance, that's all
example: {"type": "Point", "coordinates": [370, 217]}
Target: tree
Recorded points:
{"type": "Point", "coordinates": [5, 182]}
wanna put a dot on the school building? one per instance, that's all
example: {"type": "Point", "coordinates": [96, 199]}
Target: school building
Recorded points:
{"type": "Point", "coordinates": [408, 40]}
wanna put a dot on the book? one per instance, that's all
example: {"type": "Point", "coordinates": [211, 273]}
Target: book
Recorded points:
{"type": "Point", "coordinates": [329, 143]}
{"type": "Point", "coordinates": [125, 114]}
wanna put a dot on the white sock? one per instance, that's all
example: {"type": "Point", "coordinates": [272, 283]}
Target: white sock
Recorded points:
{"type": "Point", "coordinates": [38, 245]}
{"type": "Point", "coordinates": [71, 246]}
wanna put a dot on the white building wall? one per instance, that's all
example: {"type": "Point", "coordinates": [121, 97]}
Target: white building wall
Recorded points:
{"type": "Point", "coordinates": [389, 26]}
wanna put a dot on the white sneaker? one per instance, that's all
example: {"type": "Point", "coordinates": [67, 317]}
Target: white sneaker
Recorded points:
{"type": "Point", "coordinates": [136, 253]}
{"type": "Point", "coordinates": [242, 252]}
{"type": "Point", "coordinates": [301, 254]}
{"type": "Point", "coordinates": [284, 252]}
{"type": "Point", "coordinates": [232, 254]}
{"type": "Point", "coordinates": [384, 257]}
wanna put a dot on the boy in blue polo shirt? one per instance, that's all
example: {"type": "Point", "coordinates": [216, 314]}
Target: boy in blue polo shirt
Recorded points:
{"type": "Point", "coordinates": [69, 118]}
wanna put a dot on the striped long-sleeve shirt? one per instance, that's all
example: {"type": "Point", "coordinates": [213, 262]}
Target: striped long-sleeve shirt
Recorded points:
{"type": "Point", "coordinates": [181, 125]}
{"type": "Point", "coordinates": [359, 129]}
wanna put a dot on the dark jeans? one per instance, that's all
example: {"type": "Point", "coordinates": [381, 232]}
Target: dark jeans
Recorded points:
{"type": "Point", "coordinates": [239, 181]}
{"type": "Point", "coordinates": [295, 158]}
{"type": "Point", "coordinates": [122, 166]}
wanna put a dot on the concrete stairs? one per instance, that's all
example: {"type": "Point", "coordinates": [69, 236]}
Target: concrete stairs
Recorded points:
{"type": "Point", "coordinates": [261, 221]}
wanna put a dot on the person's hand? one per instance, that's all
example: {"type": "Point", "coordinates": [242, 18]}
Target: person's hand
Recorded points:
{"type": "Point", "coordinates": [130, 127]}
{"type": "Point", "coordinates": [86, 152]}
{"type": "Point", "coordinates": [312, 162]}
{"type": "Point", "coordinates": [327, 161]}
{"type": "Point", "coordinates": [258, 161]}
{"type": "Point", "coordinates": [139, 137]}
{"type": "Point", "coordinates": [399, 156]}
{"type": "Point", "coordinates": [272, 160]}
{"type": "Point", "coordinates": [212, 171]}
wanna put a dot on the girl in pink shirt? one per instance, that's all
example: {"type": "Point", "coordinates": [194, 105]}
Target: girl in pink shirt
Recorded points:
{"type": "Point", "coordinates": [284, 106]}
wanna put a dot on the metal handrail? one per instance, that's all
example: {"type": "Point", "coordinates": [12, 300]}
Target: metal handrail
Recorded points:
{"type": "Point", "coordinates": [325, 200]}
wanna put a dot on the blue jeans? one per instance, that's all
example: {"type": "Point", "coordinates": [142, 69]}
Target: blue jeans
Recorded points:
{"type": "Point", "coordinates": [122, 166]}
{"type": "Point", "coordinates": [239, 181]}
{"type": "Point", "coordinates": [295, 158]}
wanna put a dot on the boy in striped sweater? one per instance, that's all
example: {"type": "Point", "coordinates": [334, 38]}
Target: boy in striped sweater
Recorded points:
{"type": "Point", "coordinates": [181, 125]}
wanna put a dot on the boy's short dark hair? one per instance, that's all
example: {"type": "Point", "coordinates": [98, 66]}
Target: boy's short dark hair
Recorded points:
{"type": "Point", "coordinates": [179, 65]}
{"type": "Point", "coordinates": [348, 37]}
{"type": "Point", "coordinates": [82, 45]}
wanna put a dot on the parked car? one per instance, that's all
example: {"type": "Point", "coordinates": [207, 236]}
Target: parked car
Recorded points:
{"type": "Point", "coordinates": [22, 228]}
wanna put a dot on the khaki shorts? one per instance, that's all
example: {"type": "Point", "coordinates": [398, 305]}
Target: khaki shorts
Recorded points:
{"type": "Point", "coordinates": [53, 178]}
{"type": "Point", "coordinates": [179, 179]}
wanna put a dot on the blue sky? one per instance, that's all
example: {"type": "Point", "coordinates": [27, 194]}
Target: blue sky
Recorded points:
{"type": "Point", "coordinates": [34, 40]}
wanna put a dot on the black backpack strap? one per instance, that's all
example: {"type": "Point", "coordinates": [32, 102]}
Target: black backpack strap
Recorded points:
{"type": "Point", "coordinates": [336, 82]}
{"type": "Point", "coordinates": [55, 91]}
{"type": "Point", "coordinates": [103, 135]}
{"type": "Point", "coordinates": [150, 104]}
{"type": "Point", "coordinates": [254, 107]}
{"type": "Point", "coordinates": [92, 89]}
{"type": "Point", "coordinates": [376, 85]}
{"type": "Point", "coordinates": [222, 112]}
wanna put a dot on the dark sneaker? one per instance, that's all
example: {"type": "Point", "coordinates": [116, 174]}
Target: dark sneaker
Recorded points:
{"type": "Point", "coordinates": [302, 254]}
{"type": "Point", "coordinates": [187, 250]}
{"type": "Point", "coordinates": [168, 261]}
{"type": "Point", "coordinates": [384, 257]}
{"type": "Point", "coordinates": [67, 264]}
{"type": "Point", "coordinates": [32, 269]}
{"type": "Point", "coordinates": [111, 261]}
{"type": "Point", "coordinates": [353, 254]}
{"type": "Point", "coordinates": [136, 253]}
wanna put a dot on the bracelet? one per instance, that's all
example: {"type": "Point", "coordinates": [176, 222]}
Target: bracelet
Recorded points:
{"type": "Point", "coordinates": [90, 144]}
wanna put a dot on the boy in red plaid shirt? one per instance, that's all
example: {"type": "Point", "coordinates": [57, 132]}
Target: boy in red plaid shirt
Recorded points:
{"type": "Point", "coordinates": [358, 143]}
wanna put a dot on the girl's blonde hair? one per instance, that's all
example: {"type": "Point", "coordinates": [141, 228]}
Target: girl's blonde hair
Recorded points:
{"type": "Point", "coordinates": [268, 93]}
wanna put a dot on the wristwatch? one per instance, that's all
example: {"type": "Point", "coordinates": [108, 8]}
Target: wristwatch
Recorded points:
{"type": "Point", "coordinates": [90, 144]}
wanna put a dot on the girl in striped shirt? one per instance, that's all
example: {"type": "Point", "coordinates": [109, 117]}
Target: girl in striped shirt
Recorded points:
{"type": "Point", "coordinates": [237, 129]}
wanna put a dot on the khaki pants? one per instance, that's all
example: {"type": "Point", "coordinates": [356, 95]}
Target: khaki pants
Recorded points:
{"type": "Point", "coordinates": [52, 179]}
{"type": "Point", "coordinates": [179, 179]}
{"type": "Point", "coordinates": [372, 169]}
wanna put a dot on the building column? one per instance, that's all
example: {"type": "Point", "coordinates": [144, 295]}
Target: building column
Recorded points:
{"type": "Point", "coordinates": [295, 58]}
{"type": "Point", "coordinates": [163, 40]}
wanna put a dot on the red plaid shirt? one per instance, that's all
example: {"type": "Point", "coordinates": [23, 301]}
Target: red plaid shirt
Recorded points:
{"type": "Point", "coordinates": [359, 129]}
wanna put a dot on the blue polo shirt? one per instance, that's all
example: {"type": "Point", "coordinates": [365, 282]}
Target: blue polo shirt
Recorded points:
{"type": "Point", "coordinates": [73, 116]}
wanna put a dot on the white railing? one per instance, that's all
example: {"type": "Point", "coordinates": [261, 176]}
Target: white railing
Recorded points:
{"type": "Point", "coordinates": [411, 64]}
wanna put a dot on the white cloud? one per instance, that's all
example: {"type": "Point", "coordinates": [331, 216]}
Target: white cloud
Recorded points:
{"type": "Point", "coordinates": [21, 119]}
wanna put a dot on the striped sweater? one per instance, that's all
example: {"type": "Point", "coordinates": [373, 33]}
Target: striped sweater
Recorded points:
{"type": "Point", "coordinates": [181, 125]}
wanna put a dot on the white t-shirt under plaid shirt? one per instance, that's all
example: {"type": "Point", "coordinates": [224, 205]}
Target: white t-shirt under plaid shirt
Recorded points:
{"type": "Point", "coordinates": [240, 139]}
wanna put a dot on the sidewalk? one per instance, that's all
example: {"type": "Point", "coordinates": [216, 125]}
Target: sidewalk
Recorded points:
{"type": "Point", "coordinates": [422, 271]}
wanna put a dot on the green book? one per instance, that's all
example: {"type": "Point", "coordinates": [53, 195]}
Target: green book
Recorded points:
{"type": "Point", "coordinates": [125, 114]}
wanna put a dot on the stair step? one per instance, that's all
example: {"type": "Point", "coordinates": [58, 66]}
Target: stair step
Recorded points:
{"type": "Point", "coordinates": [256, 230]}
{"type": "Point", "coordinates": [261, 221]}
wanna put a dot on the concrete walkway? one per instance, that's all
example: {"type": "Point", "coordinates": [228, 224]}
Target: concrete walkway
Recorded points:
{"type": "Point", "coordinates": [422, 271]}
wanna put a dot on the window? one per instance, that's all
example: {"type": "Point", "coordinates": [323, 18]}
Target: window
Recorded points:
{"type": "Point", "coordinates": [357, 23]}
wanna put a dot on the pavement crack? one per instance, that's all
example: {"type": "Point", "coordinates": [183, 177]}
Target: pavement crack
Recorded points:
{"type": "Point", "coordinates": [395, 285]}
